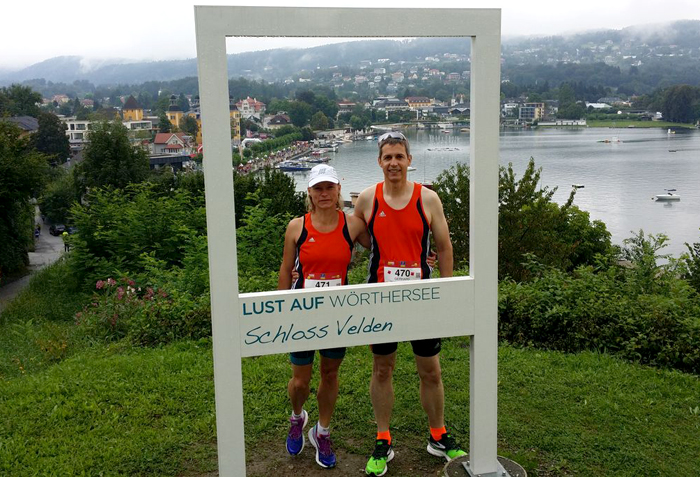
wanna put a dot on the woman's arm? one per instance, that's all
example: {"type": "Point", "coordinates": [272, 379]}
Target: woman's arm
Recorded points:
{"type": "Point", "coordinates": [290, 243]}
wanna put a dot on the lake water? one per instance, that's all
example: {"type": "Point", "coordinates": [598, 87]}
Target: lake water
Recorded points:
{"type": "Point", "coordinates": [620, 178]}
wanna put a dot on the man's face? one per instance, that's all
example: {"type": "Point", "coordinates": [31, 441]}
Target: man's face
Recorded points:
{"type": "Point", "coordinates": [394, 162]}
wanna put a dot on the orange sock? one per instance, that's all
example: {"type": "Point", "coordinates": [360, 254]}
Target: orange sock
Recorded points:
{"type": "Point", "coordinates": [437, 433]}
{"type": "Point", "coordinates": [384, 436]}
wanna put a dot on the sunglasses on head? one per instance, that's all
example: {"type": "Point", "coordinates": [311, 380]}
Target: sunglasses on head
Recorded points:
{"type": "Point", "coordinates": [391, 135]}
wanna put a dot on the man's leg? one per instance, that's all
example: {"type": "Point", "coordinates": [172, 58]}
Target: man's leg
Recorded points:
{"type": "Point", "coordinates": [432, 396]}
{"type": "Point", "coordinates": [432, 393]}
{"type": "Point", "coordinates": [381, 389]}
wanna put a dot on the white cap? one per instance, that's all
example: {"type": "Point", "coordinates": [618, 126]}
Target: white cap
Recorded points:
{"type": "Point", "coordinates": [323, 173]}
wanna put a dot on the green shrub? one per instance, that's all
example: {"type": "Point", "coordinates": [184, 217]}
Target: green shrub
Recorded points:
{"type": "Point", "coordinates": [604, 310]}
{"type": "Point", "coordinates": [118, 227]}
{"type": "Point", "coordinates": [145, 316]}
{"type": "Point", "coordinates": [529, 222]}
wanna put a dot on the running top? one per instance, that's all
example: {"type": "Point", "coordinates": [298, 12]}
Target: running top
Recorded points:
{"type": "Point", "coordinates": [400, 239]}
{"type": "Point", "coordinates": [322, 259]}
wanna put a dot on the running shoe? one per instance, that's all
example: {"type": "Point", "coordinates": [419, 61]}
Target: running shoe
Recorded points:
{"type": "Point", "coordinates": [295, 438]}
{"type": "Point", "coordinates": [382, 454]}
{"type": "Point", "coordinates": [446, 447]}
{"type": "Point", "coordinates": [325, 457]}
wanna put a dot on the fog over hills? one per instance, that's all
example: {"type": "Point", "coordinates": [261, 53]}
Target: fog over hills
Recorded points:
{"type": "Point", "coordinates": [632, 46]}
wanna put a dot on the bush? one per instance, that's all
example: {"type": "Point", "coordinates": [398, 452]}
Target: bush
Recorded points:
{"type": "Point", "coordinates": [691, 262]}
{"type": "Point", "coordinates": [623, 310]}
{"type": "Point", "coordinates": [145, 316]}
{"type": "Point", "coordinates": [529, 222]}
{"type": "Point", "coordinates": [118, 227]}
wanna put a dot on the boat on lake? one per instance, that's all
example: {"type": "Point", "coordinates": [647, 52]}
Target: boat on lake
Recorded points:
{"type": "Point", "coordinates": [318, 160]}
{"type": "Point", "coordinates": [293, 166]}
{"type": "Point", "coordinates": [669, 195]}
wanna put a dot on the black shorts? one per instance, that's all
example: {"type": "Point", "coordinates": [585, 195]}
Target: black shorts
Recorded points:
{"type": "Point", "coordinates": [422, 348]}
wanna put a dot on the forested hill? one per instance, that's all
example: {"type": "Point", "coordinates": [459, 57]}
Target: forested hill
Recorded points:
{"type": "Point", "coordinates": [638, 59]}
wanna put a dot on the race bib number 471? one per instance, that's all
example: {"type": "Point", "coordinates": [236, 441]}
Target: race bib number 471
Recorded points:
{"type": "Point", "coordinates": [322, 280]}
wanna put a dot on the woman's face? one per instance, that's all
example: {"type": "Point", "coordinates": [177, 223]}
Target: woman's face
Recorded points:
{"type": "Point", "coordinates": [324, 195]}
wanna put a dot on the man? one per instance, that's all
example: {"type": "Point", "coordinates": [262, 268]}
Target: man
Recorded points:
{"type": "Point", "coordinates": [400, 216]}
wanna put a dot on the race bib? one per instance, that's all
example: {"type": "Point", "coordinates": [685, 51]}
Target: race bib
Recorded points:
{"type": "Point", "coordinates": [401, 271]}
{"type": "Point", "coordinates": [322, 280]}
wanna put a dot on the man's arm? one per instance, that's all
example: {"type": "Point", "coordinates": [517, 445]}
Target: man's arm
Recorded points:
{"type": "Point", "coordinates": [441, 233]}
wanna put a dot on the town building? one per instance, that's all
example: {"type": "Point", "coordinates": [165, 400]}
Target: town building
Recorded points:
{"type": "Point", "coordinates": [530, 112]}
{"type": "Point", "coordinates": [174, 113]}
{"type": "Point", "coordinates": [171, 143]}
{"type": "Point", "coordinates": [132, 110]}
{"type": "Point", "coordinates": [251, 108]}
{"type": "Point", "coordinates": [77, 131]}
{"type": "Point", "coordinates": [27, 124]}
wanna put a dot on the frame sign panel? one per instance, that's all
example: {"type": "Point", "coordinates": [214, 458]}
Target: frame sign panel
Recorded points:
{"type": "Point", "coordinates": [293, 320]}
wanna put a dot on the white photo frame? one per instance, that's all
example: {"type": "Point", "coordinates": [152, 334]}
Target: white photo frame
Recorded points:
{"type": "Point", "coordinates": [466, 306]}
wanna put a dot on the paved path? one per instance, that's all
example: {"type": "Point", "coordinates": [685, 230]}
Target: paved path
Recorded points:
{"type": "Point", "coordinates": [48, 249]}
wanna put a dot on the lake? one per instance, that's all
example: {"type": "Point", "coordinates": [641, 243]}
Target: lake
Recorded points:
{"type": "Point", "coordinates": [620, 178]}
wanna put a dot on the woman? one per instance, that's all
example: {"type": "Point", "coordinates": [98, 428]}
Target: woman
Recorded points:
{"type": "Point", "coordinates": [318, 247]}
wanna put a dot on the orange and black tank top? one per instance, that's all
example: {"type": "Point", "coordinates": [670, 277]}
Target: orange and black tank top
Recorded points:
{"type": "Point", "coordinates": [322, 259]}
{"type": "Point", "coordinates": [400, 239]}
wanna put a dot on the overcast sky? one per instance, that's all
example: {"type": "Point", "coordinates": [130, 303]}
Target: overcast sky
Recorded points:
{"type": "Point", "coordinates": [35, 30]}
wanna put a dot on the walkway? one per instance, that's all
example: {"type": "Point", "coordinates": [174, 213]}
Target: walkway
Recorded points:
{"type": "Point", "coordinates": [48, 249]}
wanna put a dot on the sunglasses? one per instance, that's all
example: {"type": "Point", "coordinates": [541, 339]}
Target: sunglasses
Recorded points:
{"type": "Point", "coordinates": [391, 135]}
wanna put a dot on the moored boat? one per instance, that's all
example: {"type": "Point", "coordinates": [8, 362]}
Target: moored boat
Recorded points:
{"type": "Point", "coordinates": [669, 195]}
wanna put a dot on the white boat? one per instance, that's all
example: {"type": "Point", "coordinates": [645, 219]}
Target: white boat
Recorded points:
{"type": "Point", "coordinates": [669, 195]}
{"type": "Point", "coordinates": [411, 169]}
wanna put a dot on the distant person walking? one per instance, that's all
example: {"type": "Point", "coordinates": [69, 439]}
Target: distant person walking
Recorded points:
{"type": "Point", "coordinates": [66, 242]}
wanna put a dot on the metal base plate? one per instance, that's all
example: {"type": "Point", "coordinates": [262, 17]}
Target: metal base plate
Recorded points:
{"type": "Point", "coordinates": [505, 468]}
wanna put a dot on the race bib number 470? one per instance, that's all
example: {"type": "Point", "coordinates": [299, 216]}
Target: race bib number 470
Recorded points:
{"type": "Point", "coordinates": [401, 274]}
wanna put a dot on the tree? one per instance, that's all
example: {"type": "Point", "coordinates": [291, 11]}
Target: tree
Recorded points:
{"type": "Point", "coordinates": [164, 124]}
{"type": "Point", "coordinates": [110, 159]}
{"type": "Point", "coordinates": [183, 102]}
{"type": "Point", "coordinates": [306, 96]}
{"type": "Point", "coordinates": [18, 100]}
{"type": "Point", "coordinates": [357, 122]}
{"type": "Point", "coordinates": [572, 111]}
{"type": "Point", "coordinates": [678, 103]}
{"type": "Point", "coordinates": [529, 222]}
{"type": "Point", "coordinates": [51, 138]}
{"type": "Point", "coordinates": [566, 95]}
{"type": "Point", "coordinates": [58, 198]}
{"type": "Point", "coordinates": [300, 113]}
{"type": "Point", "coordinates": [189, 125]}
{"type": "Point", "coordinates": [319, 121]}
{"type": "Point", "coordinates": [22, 172]}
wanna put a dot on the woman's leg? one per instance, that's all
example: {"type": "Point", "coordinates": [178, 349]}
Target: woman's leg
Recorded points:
{"type": "Point", "coordinates": [327, 389]}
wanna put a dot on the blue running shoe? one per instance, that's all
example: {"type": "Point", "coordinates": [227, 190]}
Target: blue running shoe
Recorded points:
{"type": "Point", "coordinates": [295, 438]}
{"type": "Point", "coordinates": [325, 457]}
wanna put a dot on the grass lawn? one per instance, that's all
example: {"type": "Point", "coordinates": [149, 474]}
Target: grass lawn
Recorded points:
{"type": "Point", "coordinates": [637, 124]}
{"type": "Point", "coordinates": [118, 410]}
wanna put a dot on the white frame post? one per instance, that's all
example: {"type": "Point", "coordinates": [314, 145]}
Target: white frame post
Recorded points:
{"type": "Point", "coordinates": [282, 321]}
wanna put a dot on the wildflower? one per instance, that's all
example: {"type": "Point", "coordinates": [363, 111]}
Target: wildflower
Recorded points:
{"type": "Point", "coordinates": [120, 293]}
{"type": "Point", "coordinates": [100, 284]}
{"type": "Point", "coordinates": [131, 283]}
{"type": "Point", "coordinates": [111, 281]}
